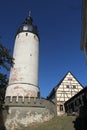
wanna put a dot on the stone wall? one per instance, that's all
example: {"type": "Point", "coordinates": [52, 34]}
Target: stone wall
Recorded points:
{"type": "Point", "coordinates": [23, 112]}
{"type": "Point", "coordinates": [30, 102]}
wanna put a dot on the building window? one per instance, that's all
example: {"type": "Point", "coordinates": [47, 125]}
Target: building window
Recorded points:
{"type": "Point", "coordinates": [67, 86]}
{"type": "Point", "coordinates": [61, 107]}
{"type": "Point", "coordinates": [70, 79]}
{"type": "Point", "coordinates": [74, 86]}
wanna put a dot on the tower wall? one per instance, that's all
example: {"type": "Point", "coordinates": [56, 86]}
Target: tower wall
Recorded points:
{"type": "Point", "coordinates": [24, 74]}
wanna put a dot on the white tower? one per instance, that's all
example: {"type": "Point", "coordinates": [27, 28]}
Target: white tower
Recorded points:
{"type": "Point", "coordinates": [24, 73]}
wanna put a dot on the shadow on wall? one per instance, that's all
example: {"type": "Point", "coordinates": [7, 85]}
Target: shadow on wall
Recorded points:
{"type": "Point", "coordinates": [81, 121]}
{"type": "Point", "coordinates": [2, 126]}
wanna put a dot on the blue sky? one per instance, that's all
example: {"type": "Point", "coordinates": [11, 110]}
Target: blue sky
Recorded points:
{"type": "Point", "coordinates": [59, 25]}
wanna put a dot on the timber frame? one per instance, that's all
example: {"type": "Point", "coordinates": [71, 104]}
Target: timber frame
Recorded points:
{"type": "Point", "coordinates": [63, 91]}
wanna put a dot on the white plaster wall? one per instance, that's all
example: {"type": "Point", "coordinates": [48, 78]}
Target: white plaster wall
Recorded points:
{"type": "Point", "coordinates": [24, 73]}
{"type": "Point", "coordinates": [24, 90]}
{"type": "Point", "coordinates": [26, 53]}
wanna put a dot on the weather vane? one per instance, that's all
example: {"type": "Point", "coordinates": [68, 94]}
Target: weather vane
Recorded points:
{"type": "Point", "coordinates": [29, 13]}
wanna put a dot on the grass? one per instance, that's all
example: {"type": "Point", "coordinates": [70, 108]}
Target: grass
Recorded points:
{"type": "Point", "coordinates": [57, 123]}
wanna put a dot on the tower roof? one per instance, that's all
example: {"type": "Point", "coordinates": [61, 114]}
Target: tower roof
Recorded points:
{"type": "Point", "coordinates": [28, 26]}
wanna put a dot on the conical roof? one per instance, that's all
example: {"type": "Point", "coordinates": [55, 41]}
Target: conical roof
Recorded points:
{"type": "Point", "coordinates": [27, 26]}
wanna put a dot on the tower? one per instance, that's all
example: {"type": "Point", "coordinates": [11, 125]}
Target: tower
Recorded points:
{"type": "Point", "coordinates": [23, 79]}
{"type": "Point", "coordinates": [22, 103]}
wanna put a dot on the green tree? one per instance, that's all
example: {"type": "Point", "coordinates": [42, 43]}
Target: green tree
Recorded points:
{"type": "Point", "coordinates": [6, 61]}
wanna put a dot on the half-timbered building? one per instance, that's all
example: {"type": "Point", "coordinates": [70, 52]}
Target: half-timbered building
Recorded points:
{"type": "Point", "coordinates": [63, 91]}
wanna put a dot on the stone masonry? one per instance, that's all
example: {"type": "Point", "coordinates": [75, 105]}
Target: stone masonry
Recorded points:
{"type": "Point", "coordinates": [23, 112]}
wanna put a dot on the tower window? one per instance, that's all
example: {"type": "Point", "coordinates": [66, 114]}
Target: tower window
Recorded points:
{"type": "Point", "coordinates": [35, 37]}
{"type": "Point", "coordinates": [26, 34]}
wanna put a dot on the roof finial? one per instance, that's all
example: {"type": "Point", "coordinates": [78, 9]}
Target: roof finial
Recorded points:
{"type": "Point", "coordinates": [29, 13]}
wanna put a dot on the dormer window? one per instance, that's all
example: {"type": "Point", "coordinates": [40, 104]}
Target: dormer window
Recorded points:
{"type": "Point", "coordinates": [25, 27]}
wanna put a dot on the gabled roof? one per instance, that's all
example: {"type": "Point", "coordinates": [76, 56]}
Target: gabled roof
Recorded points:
{"type": "Point", "coordinates": [56, 87]}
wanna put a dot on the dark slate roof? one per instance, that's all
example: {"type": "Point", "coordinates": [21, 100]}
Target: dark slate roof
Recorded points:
{"type": "Point", "coordinates": [57, 86]}
{"type": "Point", "coordinates": [28, 26]}
{"type": "Point", "coordinates": [83, 91]}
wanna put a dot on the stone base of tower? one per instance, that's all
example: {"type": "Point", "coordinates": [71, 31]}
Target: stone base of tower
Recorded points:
{"type": "Point", "coordinates": [23, 114]}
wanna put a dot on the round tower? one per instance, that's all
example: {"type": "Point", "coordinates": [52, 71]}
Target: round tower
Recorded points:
{"type": "Point", "coordinates": [23, 79]}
